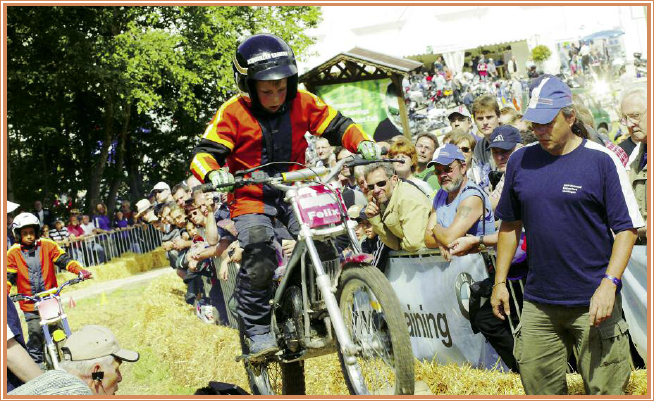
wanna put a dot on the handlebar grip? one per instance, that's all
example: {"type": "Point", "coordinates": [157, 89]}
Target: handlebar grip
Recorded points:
{"type": "Point", "coordinates": [209, 187]}
{"type": "Point", "coordinates": [304, 174]}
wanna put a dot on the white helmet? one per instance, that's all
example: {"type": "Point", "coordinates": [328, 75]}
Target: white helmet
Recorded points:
{"type": "Point", "coordinates": [26, 220]}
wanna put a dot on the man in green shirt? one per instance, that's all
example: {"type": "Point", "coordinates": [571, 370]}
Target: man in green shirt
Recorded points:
{"type": "Point", "coordinates": [426, 145]}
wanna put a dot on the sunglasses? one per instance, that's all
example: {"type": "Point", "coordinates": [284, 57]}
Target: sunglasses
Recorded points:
{"type": "Point", "coordinates": [379, 184]}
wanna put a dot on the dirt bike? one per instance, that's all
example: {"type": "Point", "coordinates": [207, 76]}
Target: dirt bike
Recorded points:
{"type": "Point", "coordinates": [54, 321]}
{"type": "Point", "coordinates": [322, 305]}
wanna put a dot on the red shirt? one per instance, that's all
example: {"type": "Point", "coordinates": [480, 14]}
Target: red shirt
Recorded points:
{"type": "Point", "coordinates": [77, 230]}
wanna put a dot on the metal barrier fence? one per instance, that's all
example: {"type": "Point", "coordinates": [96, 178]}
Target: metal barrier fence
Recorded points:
{"type": "Point", "coordinates": [101, 248]}
{"type": "Point", "coordinates": [228, 288]}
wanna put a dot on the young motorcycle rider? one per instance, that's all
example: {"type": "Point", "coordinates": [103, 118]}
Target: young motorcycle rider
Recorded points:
{"type": "Point", "coordinates": [31, 266]}
{"type": "Point", "coordinates": [266, 123]}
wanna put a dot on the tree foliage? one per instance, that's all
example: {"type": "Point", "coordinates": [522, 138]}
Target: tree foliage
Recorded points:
{"type": "Point", "coordinates": [110, 100]}
{"type": "Point", "coordinates": [540, 53]}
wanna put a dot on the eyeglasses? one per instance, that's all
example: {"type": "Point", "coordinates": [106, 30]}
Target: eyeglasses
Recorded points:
{"type": "Point", "coordinates": [634, 118]}
{"type": "Point", "coordinates": [464, 149]}
{"type": "Point", "coordinates": [444, 169]}
{"type": "Point", "coordinates": [378, 184]}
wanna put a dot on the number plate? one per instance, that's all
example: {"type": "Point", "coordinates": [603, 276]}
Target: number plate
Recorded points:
{"type": "Point", "coordinates": [319, 206]}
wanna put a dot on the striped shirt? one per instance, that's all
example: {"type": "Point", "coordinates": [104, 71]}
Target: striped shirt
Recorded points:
{"type": "Point", "coordinates": [59, 235]}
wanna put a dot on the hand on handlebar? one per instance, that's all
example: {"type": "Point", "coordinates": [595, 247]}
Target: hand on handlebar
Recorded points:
{"type": "Point", "coordinates": [219, 178]}
{"type": "Point", "coordinates": [85, 274]}
{"type": "Point", "coordinates": [369, 150]}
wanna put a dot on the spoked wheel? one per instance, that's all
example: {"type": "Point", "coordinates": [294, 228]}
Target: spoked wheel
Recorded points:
{"type": "Point", "coordinates": [271, 377]}
{"type": "Point", "coordinates": [371, 311]}
{"type": "Point", "coordinates": [47, 358]}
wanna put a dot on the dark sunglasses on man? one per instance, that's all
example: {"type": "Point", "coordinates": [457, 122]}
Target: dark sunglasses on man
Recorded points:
{"type": "Point", "coordinates": [378, 184]}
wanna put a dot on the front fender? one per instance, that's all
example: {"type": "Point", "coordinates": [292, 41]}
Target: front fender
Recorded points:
{"type": "Point", "coordinates": [357, 260]}
{"type": "Point", "coordinates": [353, 261]}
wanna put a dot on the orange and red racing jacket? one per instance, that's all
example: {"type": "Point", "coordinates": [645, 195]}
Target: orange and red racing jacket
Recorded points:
{"type": "Point", "coordinates": [33, 269]}
{"type": "Point", "coordinates": [241, 139]}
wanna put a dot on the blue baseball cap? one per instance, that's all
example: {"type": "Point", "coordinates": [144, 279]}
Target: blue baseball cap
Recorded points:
{"type": "Point", "coordinates": [505, 137]}
{"type": "Point", "coordinates": [548, 96]}
{"type": "Point", "coordinates": [445, 155]}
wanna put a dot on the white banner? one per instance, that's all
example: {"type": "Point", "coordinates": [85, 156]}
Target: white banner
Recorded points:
{"type": "Point", "coordinates": [634, 298]}
{"type": "Point", "coordinates": [434, 296]}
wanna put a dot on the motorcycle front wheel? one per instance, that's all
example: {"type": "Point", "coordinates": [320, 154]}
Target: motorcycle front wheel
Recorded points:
{"type": "Point", "coordinates": [375, 322]}
{"type": "Point", "coordinates": [52, 357]}
{"type": "Point", "coordinates": [272, 377]}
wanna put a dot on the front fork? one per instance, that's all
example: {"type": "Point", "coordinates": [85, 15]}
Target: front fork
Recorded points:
{"type": "Point", "coordinates": [50, 345]}
{"type": "Point", "coordinates": [324, 283]}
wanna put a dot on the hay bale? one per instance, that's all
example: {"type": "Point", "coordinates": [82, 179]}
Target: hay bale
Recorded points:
{"type": "Point", "coordinates": [125, 266]}
{"type": "Point", "coordinates": [180, 354]}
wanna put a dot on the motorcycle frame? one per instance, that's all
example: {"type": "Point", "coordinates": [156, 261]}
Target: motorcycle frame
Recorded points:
{"type": "Point", "coordinates": [47, 323]}
{"type": "Point", "coordinates": [306, 245]}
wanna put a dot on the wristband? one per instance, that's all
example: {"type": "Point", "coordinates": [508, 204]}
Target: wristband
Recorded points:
{"type": "Point", "coordinates": [481, 246]}
{"type": "Point", "coordinates": [496, 284]}
{"type": "Point", "coordinates": [615, 280]}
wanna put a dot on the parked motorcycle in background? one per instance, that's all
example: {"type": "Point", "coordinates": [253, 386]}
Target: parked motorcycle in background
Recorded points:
{"type": "Point", "coordinates": [641, 66]}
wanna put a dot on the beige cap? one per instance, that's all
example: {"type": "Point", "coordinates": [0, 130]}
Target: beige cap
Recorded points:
{"type": "Point", "coordinates": [92, 342]}
{"type": "Point", "coordinates": [354, 212]}
{"type": "Point", "coordinates": [161, 186]}
{"type": "Point", "coordinates": [141, 207]}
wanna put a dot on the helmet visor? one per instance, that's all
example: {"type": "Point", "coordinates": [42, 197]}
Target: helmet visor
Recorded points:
{"type": "Point", "coordinates": [273, 70]}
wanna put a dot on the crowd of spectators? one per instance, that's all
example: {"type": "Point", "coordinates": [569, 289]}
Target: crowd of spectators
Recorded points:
{"type": "Point", "coordinates": [91, 239]}
{"type": "Point", "coordinates": [444, 196]}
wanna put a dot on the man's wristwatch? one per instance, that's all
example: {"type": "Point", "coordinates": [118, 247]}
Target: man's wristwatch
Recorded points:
{"type": "Point", "coordinates": [482, 246]}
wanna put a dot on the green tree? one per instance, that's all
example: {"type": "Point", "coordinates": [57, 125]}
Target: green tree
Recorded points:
{"type": "Point", "coordinates": [540, 53]}
{"type": "Point", "coordinates": [112, 99]}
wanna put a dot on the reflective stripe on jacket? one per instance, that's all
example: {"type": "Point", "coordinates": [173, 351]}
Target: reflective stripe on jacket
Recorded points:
{"type": "Point", "coordinates": [240, 139]}
{"type": "Point", "coordinates": [36, 273]}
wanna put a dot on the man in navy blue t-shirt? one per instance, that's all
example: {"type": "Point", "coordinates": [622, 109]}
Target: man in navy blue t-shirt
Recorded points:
{"type": "Point", "coordinates": [572, 196]}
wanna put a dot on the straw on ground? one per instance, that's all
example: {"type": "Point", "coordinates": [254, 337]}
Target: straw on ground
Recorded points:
{"type": "Point", "coordinates": [180, 354]}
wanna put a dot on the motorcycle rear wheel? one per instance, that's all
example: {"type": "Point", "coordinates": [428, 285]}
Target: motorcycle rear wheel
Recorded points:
{"type": "Point", "coordinates": [384, 362]}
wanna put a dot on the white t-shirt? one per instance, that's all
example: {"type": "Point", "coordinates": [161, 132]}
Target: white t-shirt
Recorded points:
{"type": "Point", "coordinates": [88, 228]}
{"type": "Point", "coordinates": [10, 334]}
{"type": "Point", "coordinates": [585, 50]}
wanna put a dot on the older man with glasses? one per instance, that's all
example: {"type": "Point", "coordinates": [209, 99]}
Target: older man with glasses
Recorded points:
{"type": "Point", "coordinates": [397, 210]}
{"type": "Point", "coordinates": [634, 117]}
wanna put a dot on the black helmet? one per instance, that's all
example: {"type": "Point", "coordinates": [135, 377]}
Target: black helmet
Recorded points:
{"type": "Point", "coordinates": [264, 57]}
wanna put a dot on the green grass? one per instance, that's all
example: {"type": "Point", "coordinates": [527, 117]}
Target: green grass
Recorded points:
{"type": "Point", "coordinates": [120, 312]}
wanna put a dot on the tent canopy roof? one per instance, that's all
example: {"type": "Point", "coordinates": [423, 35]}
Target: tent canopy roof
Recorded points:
{"type": "Point", "coordinates": [358, 56]}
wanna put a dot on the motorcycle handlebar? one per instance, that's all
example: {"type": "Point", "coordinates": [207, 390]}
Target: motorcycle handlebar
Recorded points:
{"type": "Point", "coordinates": [43, 294]}
{"type": "Point", "coordinates": [299, 175]}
